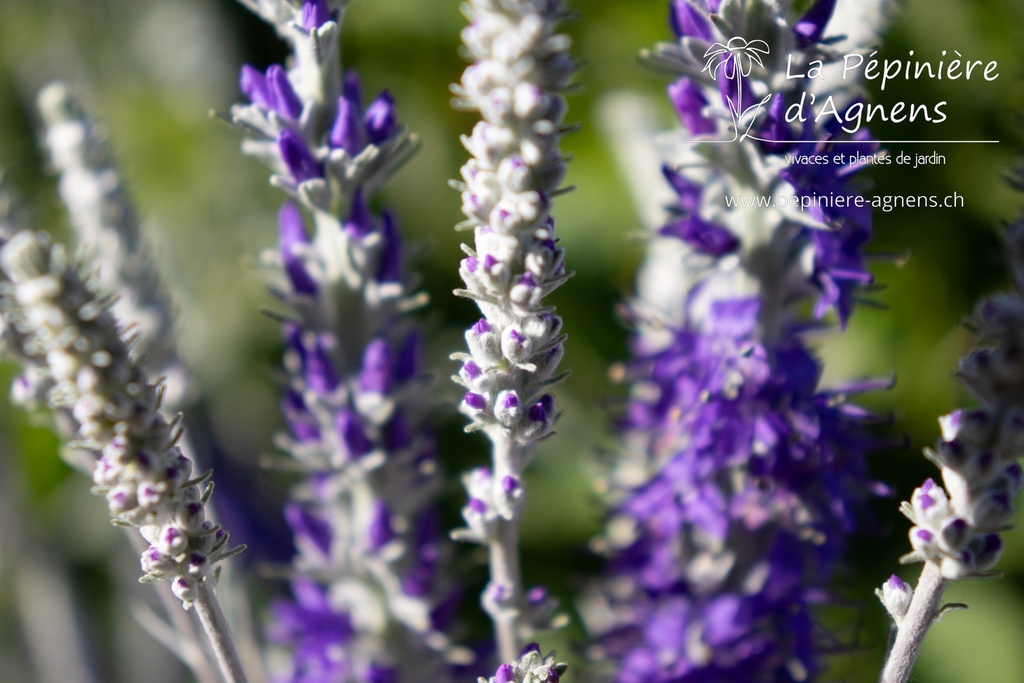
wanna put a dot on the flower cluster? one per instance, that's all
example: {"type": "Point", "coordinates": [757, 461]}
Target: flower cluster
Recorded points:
{"type": "Point", "coordinates": [369, 602]}
{"type": "Point", "coordinates": [957, 526]}
{"type": "Point", "coordinates": [530, 667]}
{"type": "Point", "coordinates": [520, 68]}
{"type": "Point", "coordinates": [108, 231]}
{"type": "Point", "coordinates": [140, 471]}
{"type": "Point", "coordinates": [743, 477]}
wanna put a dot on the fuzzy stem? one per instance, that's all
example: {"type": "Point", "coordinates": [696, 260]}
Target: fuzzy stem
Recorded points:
{"type": "Point", "coordinates": [914, 626]}
{"type": "Point", "coordinates": [216, 627]}
{"type": "Point", "coordinates": [503, 555]}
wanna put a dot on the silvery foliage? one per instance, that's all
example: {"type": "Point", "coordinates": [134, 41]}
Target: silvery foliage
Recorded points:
{"type": "Point", "coordinates": [140, 470]}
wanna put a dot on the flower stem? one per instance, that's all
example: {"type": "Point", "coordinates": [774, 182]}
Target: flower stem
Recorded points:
{"type": "Point", "coordinates": [915, 625]}
{"type": "Point", "coordinates": [216, 627]}
{"type": "Point", "coordinates": [503, 556]}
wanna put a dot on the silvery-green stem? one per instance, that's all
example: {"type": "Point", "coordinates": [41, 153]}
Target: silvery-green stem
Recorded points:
{"type": "Point", "coordinates": [915, 625]}
{"type": "Point", "coordinates": [503, 559]}
{"type": "Point", "coordinates": [216, 627]}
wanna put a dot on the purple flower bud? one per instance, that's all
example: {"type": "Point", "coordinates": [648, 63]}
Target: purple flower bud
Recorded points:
{"type": "Point", "coordinates": [254, 86]}
{"type": "Point", "coordinates": [528, 648]}
{"type": "Point", "coordinates": [407, 363]}
{"type": "Point", "coordinates": [378, 673]}
{"type": "Point", "coordinates": [510, 401]}
{"type": "Point", "coordinates": [707, 238]}
{"type": "Point", "coordinates": [380, 531]}
{"type": "Point", "coordinates": [775, 132]}
{"type": "Point", "coordinates": [505, 674]}
{"type": "Point", "coordinates": [359, 223]}
{"type": "Point", "coordinates": [353, 437]}
{"type": "Point", "coordinates": [470, 263]}
{"type": "Point", "coordinates": [688, 191]}
{"type": "Point", "coordinates": [300, 421]}
{"type": "Point", "coordinates": [389, 267]}
{"type": "Point", "coordinates": [477, 506]}
{"type": "Point", "coordinates": [318, 368]}
{"type": "Point", "coordinates": [352, 89]}
{"type": "Point", "coordinates": [690, 103]}
{"type": "Point", "coordinates": [475, 401]}
{"type": "Point", "coordinates": [346, 132]}
{"type": "Point", "coordinates": [315, 13]}
{"type": "Point", "coordinates": [292, 233]}
{"type": "Point", "coordinates": [537, 595]}
{"type": "Point", "coordinates": [380, 119]}
{"type": "Point", "coordinates": [687, 21]}
{"type": "Point", "coordinates": [509, 483]}
{"type": "Point", "coordinates": [481, 327]}
{"type": "Point", "coordinates": [471, 370]}
{"type": "Point", "coordinates": [309, 528]}
{"type": "Point", "coordinates": [375, 375]}
{"type": "Point", "coordinates": [186, 589]}
{"type": "Point", "coordinates": [297, 158]}
{"type": "Point", "coordinates": [925, 535]}
{"type": "Point", "coordinates": [489, 262]}
{"type": "Point", "coordinates": [811, 26]}
{"type": "Point", "coordinates": [286, 102]}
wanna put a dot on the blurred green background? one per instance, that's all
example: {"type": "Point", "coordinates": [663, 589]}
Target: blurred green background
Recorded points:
{"type": "Point", "coordinates": [154, 69]}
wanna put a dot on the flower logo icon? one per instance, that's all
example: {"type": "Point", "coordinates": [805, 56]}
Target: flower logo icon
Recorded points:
{"type": "Point", "coordinates": [736, 58]}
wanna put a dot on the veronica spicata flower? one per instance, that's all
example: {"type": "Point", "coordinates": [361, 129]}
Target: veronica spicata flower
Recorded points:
{"type": "Point", "coordinates": [368, 601]}
{"type": "Point", "coordinates": [521, 66]}
{"type": "Point", "coordinates": [530, 667]}
{"type": "Point", "coordinates": [742, 477]}
{"type": "Point", "coordinates": [107, 230]}
{"type": "Point", "coordinates": [958, 524]}
{"type": "Point", "coordinates": [139, 469]}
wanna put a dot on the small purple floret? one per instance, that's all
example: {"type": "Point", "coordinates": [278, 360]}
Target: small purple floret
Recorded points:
{"type": "Point", "coordinates": [315, 13]}
{"type": "Point", "coordinates": [380, 118]}
{"type": "Point", "coordinates": [505, 674]}
{"type": "Point", "coordinates": [475, 401]}
{"type": "Point", "coordinates": [297, 158]}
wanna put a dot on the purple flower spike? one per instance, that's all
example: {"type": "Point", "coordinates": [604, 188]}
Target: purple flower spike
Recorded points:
{"type": "Point", "coordinates": [346, 133]}
{"type": "Point", "coordinates": [286, 102]}
{"type": "Point", "coordinates": [690, 103]}
{"type": "Point", "coordinates": [375, 376]}
{"type": "Point", "coordinates": [380, 120]}
{"type": "Point", "coordinates": [707, 238]}
{"type": "Point", "coordinates": [254, 86]}
{"type": "Point", "coordinates": [315, 13]}
{"type": "Point", "coordinates": [359, 223]}
{"type": "Point", "coordinates": [297, 158]}
{"type": "Point", "coordinates": [811, 26]}
{"type": "Point", "coordinates": [353, 437]}
{"type": "Point", "coordinates": [293, 236]}
{"type": "Point", "coordinates": [505, 674]}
